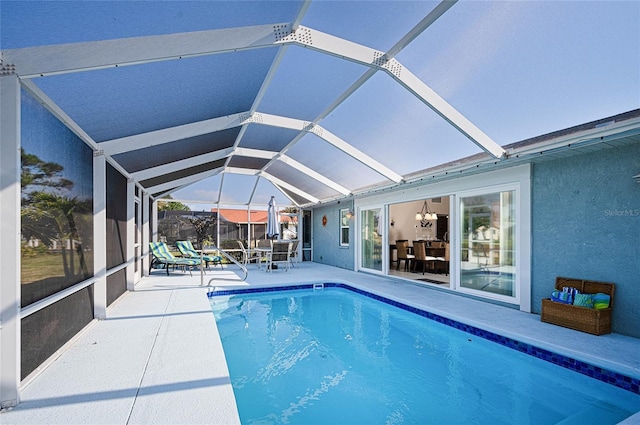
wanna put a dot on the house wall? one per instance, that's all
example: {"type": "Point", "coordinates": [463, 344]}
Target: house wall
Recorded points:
{"type": "Point", "coordinates": [586, 225]}
{"type": "Point", "coordinates": [326, 239]}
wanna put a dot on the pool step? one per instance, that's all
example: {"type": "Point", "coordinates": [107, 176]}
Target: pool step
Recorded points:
{"type": "Point", "coordinates": [599, 414]}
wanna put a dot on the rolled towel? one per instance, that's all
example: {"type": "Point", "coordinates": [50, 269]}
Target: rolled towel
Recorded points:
{"type": "Point", "coordinates": [601, 301]}
{"type": "Point", "coordinates": [561, 297]}
{"type": "Point", "coordinates": [583, 300]}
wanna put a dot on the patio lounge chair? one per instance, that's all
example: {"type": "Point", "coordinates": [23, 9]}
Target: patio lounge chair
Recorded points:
{"type": "Point", "coordinates": [188, 251]}
{"type": "Point", "coordinates": [162, 256]}
{"type": "Point", "coordinates": [280, 253]}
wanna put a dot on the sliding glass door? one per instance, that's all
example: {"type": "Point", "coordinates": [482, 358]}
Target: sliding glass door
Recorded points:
{"type": "Point", "coordinates": [476, 233]}
{"type": "Point", "coordinates": [371, 239]}
{"type": "Point", "coordinates": [488, 240]}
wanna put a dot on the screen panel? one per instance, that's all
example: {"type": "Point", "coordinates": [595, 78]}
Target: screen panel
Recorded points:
{"type": "Point", "coordinates": [57, 205]}
{"type": "Point", "coordinates": [45, 331]}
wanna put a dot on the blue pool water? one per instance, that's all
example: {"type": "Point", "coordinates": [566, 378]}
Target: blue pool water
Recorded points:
{"type": "Point", "coordinates": [338, 357]}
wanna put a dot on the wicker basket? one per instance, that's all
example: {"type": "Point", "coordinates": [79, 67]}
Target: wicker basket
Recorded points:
{"type": "Point", "coordinates": [583, 319]}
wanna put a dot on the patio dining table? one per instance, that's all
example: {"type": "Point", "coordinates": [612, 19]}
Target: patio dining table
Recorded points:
{"type": "Point", "coordinates": [264, 252]}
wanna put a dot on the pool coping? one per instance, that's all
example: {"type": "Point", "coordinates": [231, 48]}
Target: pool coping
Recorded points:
{"type": "Point", "coordinates": [535, 348]}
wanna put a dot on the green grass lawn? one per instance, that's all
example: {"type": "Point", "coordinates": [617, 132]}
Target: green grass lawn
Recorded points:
{"type": "Point", "coordinates": [49, 265]}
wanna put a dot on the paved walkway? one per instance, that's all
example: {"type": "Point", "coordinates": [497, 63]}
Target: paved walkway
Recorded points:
{"type": "Point", "coordinates": [158, 359]}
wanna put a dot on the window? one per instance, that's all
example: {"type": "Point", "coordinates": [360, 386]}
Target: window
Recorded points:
{"type": "Point", "coordinates": [345, 215]}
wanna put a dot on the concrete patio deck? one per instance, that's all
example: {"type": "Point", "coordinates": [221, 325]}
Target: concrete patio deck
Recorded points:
{"type": "Point", "coordinates": [158, 359]}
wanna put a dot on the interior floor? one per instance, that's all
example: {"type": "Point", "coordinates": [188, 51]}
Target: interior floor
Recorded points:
{"type": "Point", "coordinates": [439, 279]}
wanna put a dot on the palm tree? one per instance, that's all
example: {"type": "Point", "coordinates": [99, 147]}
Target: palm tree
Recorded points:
{"type": "Point", "coordinates": [47, 214]}
{"type": "Point", "coordinates": [49, 217]}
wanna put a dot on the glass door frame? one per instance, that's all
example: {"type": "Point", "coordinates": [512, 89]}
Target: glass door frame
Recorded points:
{"type": "Point", "coordinates": [383, 223]}
{"type": "Point", "coordinates": [305, 234]}
{"type": "Point", "coordinates": [517, 246]}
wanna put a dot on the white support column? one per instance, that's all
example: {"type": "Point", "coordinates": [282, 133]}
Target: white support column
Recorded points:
{"type": "Point", "coordinates": [130, 249]}
{"type": "Point", "coordinates": [99, 235]}
{"type": "Point", "coordinates": [154, 221]}
{"type": "Point", "coordinates": [145, 234]}
{"type": "Point", "coordinates": [10, 236]}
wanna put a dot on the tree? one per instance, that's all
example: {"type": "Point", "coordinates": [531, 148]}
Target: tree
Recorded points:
{"type": "Point", "coordinates": [171, 205]}
{"type": "Point", "coordinates": [201, 225]}
{"type": "Point", "coordinates": [49, 214]}
{"type": "Point", "coordinates": [38, 173]}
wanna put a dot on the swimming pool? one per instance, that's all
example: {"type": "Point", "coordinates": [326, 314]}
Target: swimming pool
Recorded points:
{"type": "Point", "coordinates": [338, 355]}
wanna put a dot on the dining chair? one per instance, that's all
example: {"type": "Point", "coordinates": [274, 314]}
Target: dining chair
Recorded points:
{"type": "Point", "coordinates": [420, 252]}
{"type": "Point", "coordinates": [442, 263]}
{"type": "Point", "coordinates": [293, 256]}
{"type": "Point", "coordinates": [248, 256]}
{"type": "Point", "coordinates": [279, 254]}
{"type": "Point", "coordinates": [402, 247]}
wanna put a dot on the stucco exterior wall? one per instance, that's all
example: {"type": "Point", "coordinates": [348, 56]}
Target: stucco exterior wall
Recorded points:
{"type": "Point", "coordinates": [586, 224]}
{"type": "Point", "coordinates": [326, 238]}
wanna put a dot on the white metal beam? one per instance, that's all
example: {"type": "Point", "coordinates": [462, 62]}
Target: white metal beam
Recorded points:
{"type": "Point", "coordinates": [303, 11]}
{"type": "Point", "coordinates": [275, 65]}
{"type": "Point", "coordinates": [324, 134]}
{"type": "Point", "coordinates": [147, 232]}
{"type": "Point", "coordinates": [168, 192]}
{"type": "Point", "coordinates": [67, 58]}
{"type": "Point", "coordinates": [424, 23]}
{"type": "Point", "coordinates": [242, 171]}
{"type": "Point", "coordinates": [276, 181]}
{"type": "Point", "coordinates": [448, 112]}
{"type": "Point", "coordinates": [181, 164]}
{"type": "Point", "coordinates": [253, 191]}
{"type": "Point", "coordinates": [130, 249]}
{"type": "Point", "coordinates": [36, 61]}
{"type": "Point", "coordinates": [10, 325]}
{"type": "Point", "coordinates": [280, 121]}
{"type": "Point", "coordinates": [354, 52]}
{"type": "Point", "coordinates": [140, 141]}
{"type": "Point", "coordinates": [99, 235]}
{"type": "Point", "coordinates": [217, 201]}
{"type": "Point", "coordinates": [172, 134]}
{"type": "Point", "coordinates": [65, 119]}
{"type": "Point", "coordinates": [255, 153]}
{"type": "Point", "coordinates": [57, 112]}
{"type": "Point", "coordinates": [360, 156]}
{"type": "Point", "coordinates": [313, 174]}
{"type": "Point", "coordinates": [183, 181]}
{"type": "Point", "coordinates": [401, 44]}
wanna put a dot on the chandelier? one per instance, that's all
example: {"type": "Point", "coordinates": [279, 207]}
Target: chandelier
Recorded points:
{"type": "Point", "coordinates": [424, 216]}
